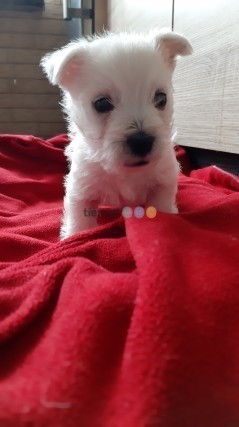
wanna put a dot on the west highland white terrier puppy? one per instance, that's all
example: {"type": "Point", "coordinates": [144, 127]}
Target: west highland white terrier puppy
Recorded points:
{"type": "Point", "coordinates": [119, 101]}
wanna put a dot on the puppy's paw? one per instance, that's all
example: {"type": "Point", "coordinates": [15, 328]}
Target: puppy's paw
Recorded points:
{"type": "Point", "coordinates": [174, 210]}
{"type": "Point", "coordinates": [68, 229]}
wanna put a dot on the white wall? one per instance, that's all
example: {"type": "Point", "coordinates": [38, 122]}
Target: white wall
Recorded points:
{"type": "Point", "coordinates": [206, 83]}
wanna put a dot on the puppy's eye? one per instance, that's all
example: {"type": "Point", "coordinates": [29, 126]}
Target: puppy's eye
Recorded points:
{"type": "Point", "coordinates": [103, 105]}
{"type": "Point", "coordinates": [160, 100]}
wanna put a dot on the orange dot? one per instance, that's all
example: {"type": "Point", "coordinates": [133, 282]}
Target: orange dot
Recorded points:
{"type": "Point", "coordinates": [151, 212]}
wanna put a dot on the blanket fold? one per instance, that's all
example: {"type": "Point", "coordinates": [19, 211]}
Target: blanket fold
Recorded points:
{"type": "Point", "coordinates": [134, 323]}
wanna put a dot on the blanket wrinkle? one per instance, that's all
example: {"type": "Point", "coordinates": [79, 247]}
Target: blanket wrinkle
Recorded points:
{"type": "Point", "coordinates": [134, 323]}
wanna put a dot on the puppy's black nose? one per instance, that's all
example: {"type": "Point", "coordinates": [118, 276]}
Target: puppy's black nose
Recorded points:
{"type": "Point", "coordinates": [140, 143]}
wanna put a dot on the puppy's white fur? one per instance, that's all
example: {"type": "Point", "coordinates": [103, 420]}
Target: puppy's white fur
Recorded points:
{"type": "Point", "coordinates": [128, 69]}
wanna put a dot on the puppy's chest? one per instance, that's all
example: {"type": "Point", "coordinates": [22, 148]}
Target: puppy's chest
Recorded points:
{"type": "Point", "coordinates": [122, 191]}
{"type": "Point", "coordinates": [133, 193]}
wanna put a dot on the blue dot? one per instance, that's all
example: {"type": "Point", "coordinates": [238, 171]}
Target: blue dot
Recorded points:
{"type": "Point", "coordinates": [139, 212]}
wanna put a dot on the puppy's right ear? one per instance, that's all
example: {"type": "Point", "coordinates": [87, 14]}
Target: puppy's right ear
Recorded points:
{"type": "Point", "coordinates": [63, 66]}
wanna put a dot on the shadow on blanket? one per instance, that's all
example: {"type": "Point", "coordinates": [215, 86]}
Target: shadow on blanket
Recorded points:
{"type": "Point", "coordinates": [134, 324]}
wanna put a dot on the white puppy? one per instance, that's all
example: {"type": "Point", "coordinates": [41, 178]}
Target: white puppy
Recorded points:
{"type": "Point", "coordinates": [119, 101]}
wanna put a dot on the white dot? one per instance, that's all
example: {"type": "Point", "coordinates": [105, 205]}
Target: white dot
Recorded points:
{"type": "Point", "coordinates": [127, 212]}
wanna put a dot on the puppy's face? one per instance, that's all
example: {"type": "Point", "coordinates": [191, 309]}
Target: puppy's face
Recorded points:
{"type": "Point", "coordinates": [119, 94]}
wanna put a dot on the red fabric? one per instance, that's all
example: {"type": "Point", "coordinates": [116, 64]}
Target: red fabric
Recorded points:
{"type": "Point", "coordinates": [133, 325]}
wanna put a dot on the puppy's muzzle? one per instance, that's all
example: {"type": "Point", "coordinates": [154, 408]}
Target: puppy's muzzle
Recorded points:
{"type": "Point", "coordinates": [140, 144]}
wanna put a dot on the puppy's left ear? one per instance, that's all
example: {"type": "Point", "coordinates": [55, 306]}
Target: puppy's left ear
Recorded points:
{"type": "Point", "coordinates": [172, 45]}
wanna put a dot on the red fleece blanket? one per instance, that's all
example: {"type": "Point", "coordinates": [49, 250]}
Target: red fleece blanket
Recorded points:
{"type": "Point", "coordinates": [133, 324]}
